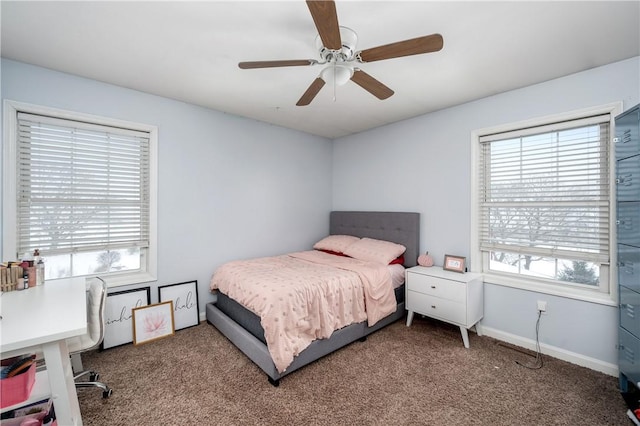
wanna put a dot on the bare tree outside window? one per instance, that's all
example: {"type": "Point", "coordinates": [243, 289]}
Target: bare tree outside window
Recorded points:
{"type": "Point", "coordinates": [108, 261]}
{"type": "Point", "coordinates": [543, 197]}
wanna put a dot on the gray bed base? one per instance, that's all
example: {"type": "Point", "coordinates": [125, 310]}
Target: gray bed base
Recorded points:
{"type": "Point", "coordinates": [400, 227]}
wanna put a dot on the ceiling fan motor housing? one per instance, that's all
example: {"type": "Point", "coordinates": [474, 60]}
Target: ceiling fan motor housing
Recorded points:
{"type": "Point", "coordinates": [347, 53]}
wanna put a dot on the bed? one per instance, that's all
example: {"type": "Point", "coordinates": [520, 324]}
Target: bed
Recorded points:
{"type": "Point", "coordinates": [243, 327]}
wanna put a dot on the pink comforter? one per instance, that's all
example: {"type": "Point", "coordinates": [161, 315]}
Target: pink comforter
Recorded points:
{"type": "Point", "coordinates": [305, 296]}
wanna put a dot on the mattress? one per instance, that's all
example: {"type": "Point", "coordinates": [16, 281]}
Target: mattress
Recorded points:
{"type": "Point", "coordinates": [251, 322]}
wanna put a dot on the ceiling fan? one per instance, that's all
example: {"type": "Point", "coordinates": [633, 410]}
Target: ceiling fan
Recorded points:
{"type": "Point", "coordinates": [336, 46]}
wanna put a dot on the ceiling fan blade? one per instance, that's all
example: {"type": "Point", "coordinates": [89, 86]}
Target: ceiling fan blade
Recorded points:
{"type": "Point", "coordinates": [311, 92]}
{"type": "Point", "coordinates": [270, 64]}
{"type": "Point", "coordinates": [414, 46]}
{"type": "Point", "coordinates": [371, 85]}
{"type": "Point", "coordinates": [326, 19]}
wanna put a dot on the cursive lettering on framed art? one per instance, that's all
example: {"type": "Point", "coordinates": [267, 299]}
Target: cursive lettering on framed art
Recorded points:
{"type": "Point", "coordinates": [185, 302]}
{"type": "Point", "coordinates": [118, 324]}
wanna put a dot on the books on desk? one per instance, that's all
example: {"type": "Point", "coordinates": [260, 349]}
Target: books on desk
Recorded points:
{"type": "Point", "coordinates": [11, 276]}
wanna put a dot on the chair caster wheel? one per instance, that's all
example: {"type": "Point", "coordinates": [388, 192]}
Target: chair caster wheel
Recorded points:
{"type": "Point", "coordinates": [93, 377]}
{"type": "Point", "coordinates": [106, 394]}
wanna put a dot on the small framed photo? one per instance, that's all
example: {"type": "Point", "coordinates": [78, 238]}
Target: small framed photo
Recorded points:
{"type": "Point", "coordinates": [117, 315]}
{"type": "Point", "coordinates": [454, 263]}
{"type": "Point", "coordinates": [152, 322]}
{"type": "Point", "coordinates": [185, 302]}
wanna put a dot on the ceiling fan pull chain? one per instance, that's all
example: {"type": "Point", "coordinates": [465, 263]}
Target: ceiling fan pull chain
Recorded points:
{"type": "Point", "coordinates": [334, 82]}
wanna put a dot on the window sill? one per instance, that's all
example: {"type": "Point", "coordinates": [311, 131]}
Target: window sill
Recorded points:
{"type": "Point", "coordinates": [116, 280]}
{"type": "Point", "coordinates": [536, 287]}
{"type": "Point", "coordinates": [128, 279]}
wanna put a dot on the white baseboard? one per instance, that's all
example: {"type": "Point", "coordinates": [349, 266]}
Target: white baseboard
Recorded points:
{"type": "Point", "coordinates": [563, 354]}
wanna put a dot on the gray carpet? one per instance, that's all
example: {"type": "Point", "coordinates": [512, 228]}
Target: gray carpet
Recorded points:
{"type": "Point", "coordinates": [421, 375]}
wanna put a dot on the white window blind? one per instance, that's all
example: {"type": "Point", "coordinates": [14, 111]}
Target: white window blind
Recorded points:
{"type": "Point", "coordinates": [544, 191]}
{"type": "Point", "coordinates": [80, 186]}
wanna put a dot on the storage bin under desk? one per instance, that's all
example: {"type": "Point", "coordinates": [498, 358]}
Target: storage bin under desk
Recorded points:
{"type": "Point", "coordinates": [39, 392]}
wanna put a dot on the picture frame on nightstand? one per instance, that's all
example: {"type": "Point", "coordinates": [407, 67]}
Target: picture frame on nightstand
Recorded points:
{"type": "Point", "coordinates": [454, 263]}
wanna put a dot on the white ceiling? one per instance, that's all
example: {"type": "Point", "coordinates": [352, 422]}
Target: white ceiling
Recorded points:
{"type": "Point", "coordinates": [190, 50]}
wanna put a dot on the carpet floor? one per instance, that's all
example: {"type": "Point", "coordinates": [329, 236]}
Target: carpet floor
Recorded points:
{"type": "Point", "coordinates": [418, 375]}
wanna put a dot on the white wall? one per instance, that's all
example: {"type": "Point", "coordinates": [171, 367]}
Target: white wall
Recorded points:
{"type": "Point", "coordinates": [423, 164]}
{"type": "Point", "coordinates": [229, 187]}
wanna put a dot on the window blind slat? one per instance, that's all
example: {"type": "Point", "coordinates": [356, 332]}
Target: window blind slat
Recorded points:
{"type": "Point", "coordinates": [81, 186]}
{"type": "Point", "coordinates": [544, 191]}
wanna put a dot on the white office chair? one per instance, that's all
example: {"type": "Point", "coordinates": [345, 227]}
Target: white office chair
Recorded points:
{"type": "Point", "coordinates": [96, 300]}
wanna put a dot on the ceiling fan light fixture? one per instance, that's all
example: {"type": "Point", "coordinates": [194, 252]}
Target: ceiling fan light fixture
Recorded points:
{"type": "Point", "coordinates": [336, 74]}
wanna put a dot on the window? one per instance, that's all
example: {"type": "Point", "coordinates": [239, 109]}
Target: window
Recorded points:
{"type": "Point", "coordinates": [544, 215]}
{"type": "Point", "coordinates": [82, 192]}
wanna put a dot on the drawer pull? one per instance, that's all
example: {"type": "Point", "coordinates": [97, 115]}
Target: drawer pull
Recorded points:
{"type": "Point", "coordinates": [433, 286]}
{"type": "Point", "coordinates": [433, 306]}
{"type": "Point", "coordinates": [626, 180]}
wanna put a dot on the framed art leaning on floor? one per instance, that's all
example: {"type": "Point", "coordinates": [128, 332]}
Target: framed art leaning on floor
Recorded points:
{"type": "Point", "coordinates": [118, 329]}
{"type": "Point", "coordinates": [185, 302]}
{"type": "Point", "coordinates": [152, 322]}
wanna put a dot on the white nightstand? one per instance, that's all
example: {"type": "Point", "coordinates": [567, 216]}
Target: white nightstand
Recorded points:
{"type": "Point", "coordinates": [448, 296]}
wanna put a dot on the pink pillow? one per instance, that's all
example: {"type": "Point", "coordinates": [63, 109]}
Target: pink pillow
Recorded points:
{"type": "Point", "coordinates": [336, 243]}
{"type": "Point", "coordinates": [335, 253]}
{"type": "Point", "coordinates": [378, 251]}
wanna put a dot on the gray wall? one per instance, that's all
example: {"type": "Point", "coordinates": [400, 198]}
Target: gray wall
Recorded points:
{"type": "Point", "coordinates": [423, 164]}
{"type": "Point", "coordinates": [229, 187]}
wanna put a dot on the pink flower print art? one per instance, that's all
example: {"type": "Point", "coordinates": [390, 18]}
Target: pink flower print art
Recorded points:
{"type": "Point", "coordinates": [153, 322]}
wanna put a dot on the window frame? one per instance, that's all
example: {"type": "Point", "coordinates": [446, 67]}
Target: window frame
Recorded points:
{"type": "Point", "coordinates": [148, 258]}
{"type": "Point", "coordinates": [606, 294]}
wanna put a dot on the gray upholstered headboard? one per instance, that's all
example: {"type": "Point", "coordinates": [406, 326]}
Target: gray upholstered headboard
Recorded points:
{"type": "Point", "coordinates": [398, 227]}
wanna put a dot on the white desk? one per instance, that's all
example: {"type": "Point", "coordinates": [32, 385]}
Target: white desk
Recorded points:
{"type": "Point", "coordinates": [42, 318]}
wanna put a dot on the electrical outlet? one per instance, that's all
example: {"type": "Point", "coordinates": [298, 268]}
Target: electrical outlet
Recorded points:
{"type": "Point", "coordinates": [542, 305]}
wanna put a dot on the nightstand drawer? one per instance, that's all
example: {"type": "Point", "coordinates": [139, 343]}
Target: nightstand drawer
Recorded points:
{"type": "Point", "coordinates": [442, 288]}
{"type": "Point", "coordinates": [436, 307]}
